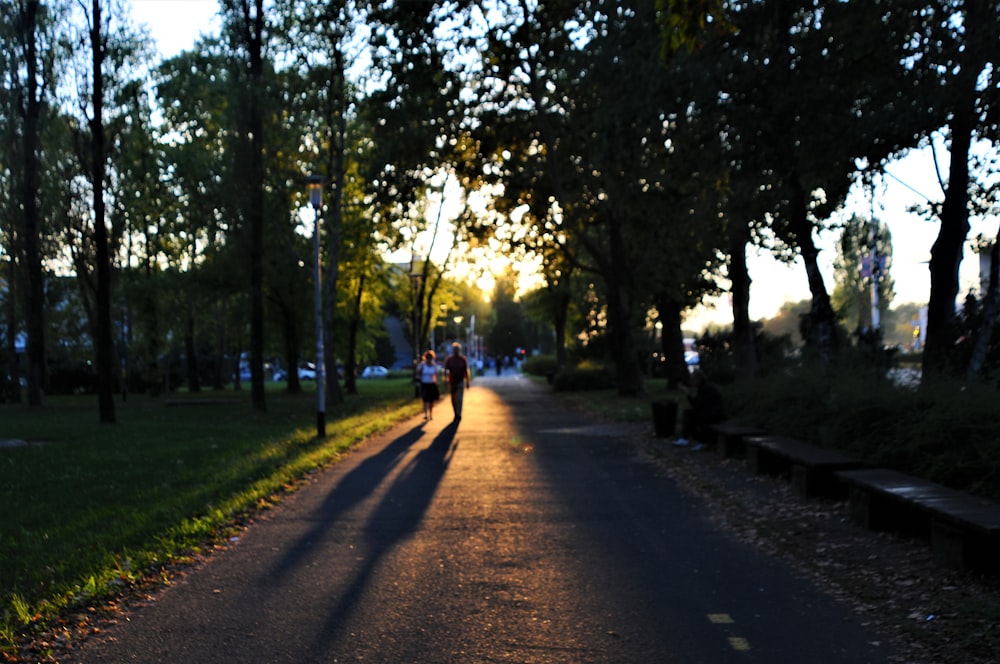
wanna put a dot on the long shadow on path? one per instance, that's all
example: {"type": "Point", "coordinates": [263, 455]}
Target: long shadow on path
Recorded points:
{"type": "Point", "coordinates": [356, 486]}
{"type": "Point", "coordinates": [395, 518]}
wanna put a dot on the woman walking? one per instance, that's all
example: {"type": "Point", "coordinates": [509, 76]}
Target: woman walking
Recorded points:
{"type": "Point", "coordinates": [427, 373]}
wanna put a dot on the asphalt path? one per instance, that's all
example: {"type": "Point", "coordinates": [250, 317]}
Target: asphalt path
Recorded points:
{"type": "Point", "coordinates": [524, 533]}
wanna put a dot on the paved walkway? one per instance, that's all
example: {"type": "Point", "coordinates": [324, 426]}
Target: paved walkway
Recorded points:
{"type": "Point", "coordinates": [523, 534]}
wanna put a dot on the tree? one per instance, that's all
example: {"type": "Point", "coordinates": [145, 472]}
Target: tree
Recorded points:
{"type": "Point", "coordinates": [247, 30]}
{"type": "Point", "coordinates": [416, 121]}
{"type": "Point", "coordinates": [787, 321]}
{"type": "Point", "coordinates": [782, 70]}
{"type": "Point", "coordinates": [507, 330]}
{"type": "Point", "coordinates": [955, 48]}
{"type": "Point", "coordinates": [854, 272]}
{"type": "Point", "coordinates": [590, 160]}
{"type": "Point", "coordinates": [326, 37]}
{"type": "Point", "coordinates": [33, 86]}
{"type": "Point", "coordinates": [103, 340]}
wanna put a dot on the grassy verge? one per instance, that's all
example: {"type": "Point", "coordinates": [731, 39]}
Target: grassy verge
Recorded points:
{"type": "Point", "coordinates": [90, 509]}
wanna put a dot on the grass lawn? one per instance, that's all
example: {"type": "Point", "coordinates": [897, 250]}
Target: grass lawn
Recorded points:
{"type": "Point", "coordinates": [89, 508]}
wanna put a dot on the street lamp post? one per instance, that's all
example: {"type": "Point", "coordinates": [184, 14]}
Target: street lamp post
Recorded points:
{"type": "Point", "coordinates": [316, 201]}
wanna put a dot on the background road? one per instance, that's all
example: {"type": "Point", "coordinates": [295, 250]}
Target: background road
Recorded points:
{"type": "Point", "coordinates": [523, 534]}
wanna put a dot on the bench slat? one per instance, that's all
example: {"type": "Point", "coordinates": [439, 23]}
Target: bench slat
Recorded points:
{"type": "Point", "coordinates": [964, 530]}
{"type": "Point", "coordinates": [811, 468]}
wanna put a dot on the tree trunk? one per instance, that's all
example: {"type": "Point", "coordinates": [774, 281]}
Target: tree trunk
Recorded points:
{"type": "Point", "coordinates": [191, 354]}
{"type": "Point", "coordinates": [946, 254]}
{"type": "Point", "coordinates": [104, 344]}
{"type": "Point", "coordinates": [744, 339]}
{"type": "Point", "coordinates": [334, 226]}
{"type": "Point", "coordinates": [628, 372]}
{"type": "Point", "coordinates": [151, 319]}
{"type": "Point", "coordinates": [12, 391]}
{"type": "Point", "coordinates": [253, 31]}
{"type": "Point", "coordinates": [560, 321]}
{"type": "Point", "coordinates": [35, 312]}
{"type": "Point", "coordinates": [990, 312]}
{"type": "Point", "coordinates": [221, 330]}
{"type": "Point", "coordinates": [292, 340]}
{"type": "Point", "coordinates": [820, 327]}
{"type": "Point", "coordinates": [672, 341]}
{"type": "Point", "coordinates": [353, 325]}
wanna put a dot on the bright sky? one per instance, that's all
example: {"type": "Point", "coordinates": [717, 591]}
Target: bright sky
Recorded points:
{"type": "Point", "coordinates": [176, 24]}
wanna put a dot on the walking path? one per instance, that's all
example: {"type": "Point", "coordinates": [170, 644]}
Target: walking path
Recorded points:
{"type": "Point", "coordinates": [522, 534]}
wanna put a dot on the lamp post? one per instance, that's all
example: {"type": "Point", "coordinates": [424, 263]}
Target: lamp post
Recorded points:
{"type": "Point", "coordinates": [316, 201]}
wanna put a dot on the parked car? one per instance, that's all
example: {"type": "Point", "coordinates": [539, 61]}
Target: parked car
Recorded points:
{"type": "Point", "coordinates": [375, 372]}
{"type": "Point", "coordinates": [307, 371]}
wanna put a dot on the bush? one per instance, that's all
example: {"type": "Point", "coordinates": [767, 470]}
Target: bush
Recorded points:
{"type": "Point", "coordinates": [577, 379]}
{"type": "Point", "coordinates": [541, 365]}
{"type": "Point", "coordinates": [943, 432]}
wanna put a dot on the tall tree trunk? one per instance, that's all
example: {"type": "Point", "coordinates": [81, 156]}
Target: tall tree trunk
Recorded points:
{"type": "Point", "coordinates": [946, 253]}
{"type": "Point", "coordinates": [32, 109]}
{"type": "Point", "coordinates": [672, 340]}
{"type": "Point", "coordinates": [221, 333]}
{"type": "Point", "coordinates": [248, 22]}
{"type": "Point", "coordinates": [628, 372]}
{"type": "Point", "coordinates": [104, 344]}
{"type": "Point", "coordinates": [292, 342]}
{"type": "Point", "coordinates": [353, 325]}
{"type": "Point", "coordinates": [991, 309]}
{"type": "Point", "coordinates": [820, 326]}
{"type": "Point", "coordinates": [151, 318]}
{"type": "Point", "coordinates": [337, 139]}
{"type": "Point", "coordinates": [191, 354]}
{"type": "Point", "coordinates": [560, 320]}
{"type": "Point", "coordinates": [744, 339]}
{"type": "Point", "coordinates": [12, 392]}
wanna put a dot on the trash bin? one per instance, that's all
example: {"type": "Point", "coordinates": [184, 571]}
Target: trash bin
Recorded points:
{"type": "Point", "coordinates": [664, 418]}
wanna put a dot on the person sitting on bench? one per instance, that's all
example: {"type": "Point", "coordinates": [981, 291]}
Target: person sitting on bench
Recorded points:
{"type": "Point", "coordinates": [707, 408]}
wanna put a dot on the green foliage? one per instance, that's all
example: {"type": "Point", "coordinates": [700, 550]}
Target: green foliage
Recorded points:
{"type": "Point", "coordinates": [851, 297]}
{"type": "Point", "coordinates": [939, 431]}
{"type": "Point", "coordinates": [90, 509]}
{"type": "Point", "coordinates": [785, 323]}
{"type": "Point", "coordinates": [541, 365]}
{"type": "Point", "coordinates": [716, 358]}
{"type": "Point", "coordinates": [583, 377]}
{"type": "Point", "coordinates": [687, 24]}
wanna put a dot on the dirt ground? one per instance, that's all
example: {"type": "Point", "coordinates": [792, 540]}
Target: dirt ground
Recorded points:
{"type": "Point", "coordinates": [926, 613]}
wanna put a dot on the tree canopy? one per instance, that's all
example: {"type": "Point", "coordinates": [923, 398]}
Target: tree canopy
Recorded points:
{"type": "Point", "coordinates": [636, 149]}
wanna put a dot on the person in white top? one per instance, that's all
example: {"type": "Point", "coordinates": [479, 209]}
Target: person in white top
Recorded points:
{"type": "Point", "coordinates": [427, 374]}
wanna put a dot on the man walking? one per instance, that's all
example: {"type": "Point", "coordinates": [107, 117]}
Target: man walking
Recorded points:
{"type": "Point", "coordinates": [456, 368]}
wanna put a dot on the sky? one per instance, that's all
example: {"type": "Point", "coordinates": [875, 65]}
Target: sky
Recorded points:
{"type": "Point", "coordinates": [176, 24]}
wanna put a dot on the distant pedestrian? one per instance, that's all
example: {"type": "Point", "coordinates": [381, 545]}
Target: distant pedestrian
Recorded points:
{"type": "Point", "coordinates": [456, 369]}
{"type": "Point", "coordinates": [427, 372]}
{"type": "Point", "coordinates": [707, 408]}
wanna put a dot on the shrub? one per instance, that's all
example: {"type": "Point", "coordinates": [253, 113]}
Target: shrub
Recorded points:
{"type": "Point", "coordinates": [541, 365]}
{"type": "Point", "coordinates": [943, 432]}
{"type": "Point", "coordinates": [583, 377]}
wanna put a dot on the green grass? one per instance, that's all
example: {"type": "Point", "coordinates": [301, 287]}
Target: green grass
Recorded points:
{"type": "Point", "coordinates": [90, 508]}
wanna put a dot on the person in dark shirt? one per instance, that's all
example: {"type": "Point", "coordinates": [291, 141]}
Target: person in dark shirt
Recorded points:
{"type": "Point", "coordinates": [456, 371]}
{"type": "Point", "coordinates": [706, 408]}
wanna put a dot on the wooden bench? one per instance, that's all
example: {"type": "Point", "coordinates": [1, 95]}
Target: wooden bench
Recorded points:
{"type": "Point", "coordinates": [964, 531]}
{"type": "Point", "coordinates": [810, 468]}
{"type": "Point", "coordinates": [730, 438]}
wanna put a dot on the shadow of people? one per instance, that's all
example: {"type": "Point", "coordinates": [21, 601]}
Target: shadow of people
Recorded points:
{"type": "Point", "coordinates": [354, 488]}
{"type": "Point", "coordinates": [394, 519]}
